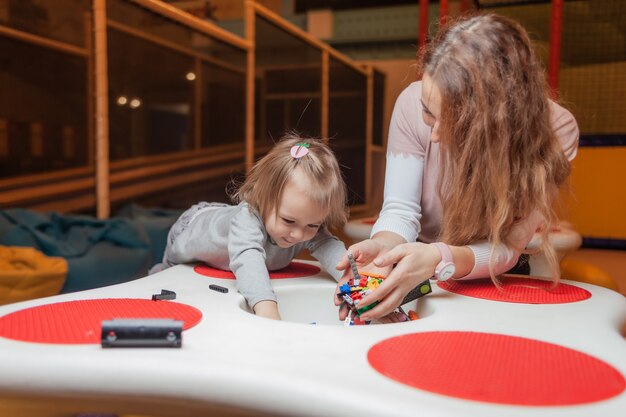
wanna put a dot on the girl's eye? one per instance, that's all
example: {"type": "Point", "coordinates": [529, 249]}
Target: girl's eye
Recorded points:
{"type": "Point", "coordinates": [314, 226]}
{"type": "Point", "coordinates": [288, 221]}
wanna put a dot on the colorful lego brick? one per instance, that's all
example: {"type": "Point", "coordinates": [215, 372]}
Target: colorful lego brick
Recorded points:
{"type": "Point", "coordinates": [355, 271]}
{"type": "Point", "coordinates": [356, 321]}
{"type": "Point", "coordinates": [421, 290]}
{"type": "Point", "coordinates": [373, 284]}
{"type": "Point", "coordinates": [373, 275]}
{"type": "Point", "coordinates": [360, 311]}
{"type": "Point", "coordinates": [401, 314]}
{"type": "Point", "coordinates": [348, 300]}
{"type": "Point", "coordinates": [218, 288]}
{"type": "Point", "coordinates": [344, 289]}
{"type": "Point", "coordinates": [364, 283]}
{"type": "Point", "coordinates": [165, 295]}
{"type": "Point", "coordinates": [353, 320]}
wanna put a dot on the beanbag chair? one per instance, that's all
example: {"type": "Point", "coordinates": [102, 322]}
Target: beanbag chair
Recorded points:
{"type": "Point", "coordinates": [26, 273]}
{"type": "Point", "coordinates": [155, 221]}
{"type": "Point", "coordinates": [98, 252]}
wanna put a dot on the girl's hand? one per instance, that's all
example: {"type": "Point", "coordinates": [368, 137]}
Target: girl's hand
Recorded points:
{"type": "Point", "coordinates": [344, 309]}
{"type": "Point", "coordinates": [267, 309]}
{"type": "Point", "coordinates": [416, 262]}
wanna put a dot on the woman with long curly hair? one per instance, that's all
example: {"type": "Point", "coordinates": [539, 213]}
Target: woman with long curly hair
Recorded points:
{"type": "Point", "coordinates": [477, 153]}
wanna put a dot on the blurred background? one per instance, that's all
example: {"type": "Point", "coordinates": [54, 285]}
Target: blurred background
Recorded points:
{"type": "Point", "coordinates": [108, 106]}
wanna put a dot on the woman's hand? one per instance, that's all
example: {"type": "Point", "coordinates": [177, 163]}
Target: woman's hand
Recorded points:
{"type": "Point", "coordinates": [364, 253]}
{"type": "Point", "coordinates": [416, 262]}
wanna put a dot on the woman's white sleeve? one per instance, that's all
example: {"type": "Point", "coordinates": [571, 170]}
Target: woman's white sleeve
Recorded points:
{"type": "Point", "coordinates": [401, 212]}
{"type": "Point", "coordinates": [505, 259]}
{"type": "Point", "coordinates": [505, 256]}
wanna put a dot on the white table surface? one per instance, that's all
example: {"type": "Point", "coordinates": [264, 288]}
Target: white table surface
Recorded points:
{"type": "Point", "coordinates": [234, 363]}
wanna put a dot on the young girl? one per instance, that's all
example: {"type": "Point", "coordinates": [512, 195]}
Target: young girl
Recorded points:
{"type": "Point", "coordinates": [476, 154]}
{"type": "Point", "coordinates": [289, 200]}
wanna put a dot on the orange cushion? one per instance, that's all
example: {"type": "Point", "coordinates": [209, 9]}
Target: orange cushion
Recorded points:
{"type": "Point", "coordinates": [578, 270]}
{"type": "Point", "coordinates": [26, 273]}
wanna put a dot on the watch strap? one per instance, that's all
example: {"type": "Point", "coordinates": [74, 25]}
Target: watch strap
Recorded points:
{"type": "Point", "coordinates": [446, 261]}
{"type": "Point", "coordinates": [446, 253]}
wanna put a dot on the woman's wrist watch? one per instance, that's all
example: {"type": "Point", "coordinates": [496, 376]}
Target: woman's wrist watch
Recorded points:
{"type": "Point", "coordinates": [446, 268]}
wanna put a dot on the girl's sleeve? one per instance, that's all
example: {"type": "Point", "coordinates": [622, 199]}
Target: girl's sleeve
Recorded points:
{"type": "Point", "coordinates": [247, 257]}
{"type": "Point", "coordinates": [567, 133]}
{"type": "Point", "coordinates": [327, 249]}
{"type": "Point", "coordinates": [401, 211]}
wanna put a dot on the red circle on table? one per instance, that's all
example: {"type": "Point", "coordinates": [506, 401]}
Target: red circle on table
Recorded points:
{"type": "Point", "coordinates": [293, 270]}
{"type": "Point", "coordinates": [80, 321]}
{"type": "Point", "coordinates": [517, 290]}
{"type": "Point", "coordinates": [496, 368]}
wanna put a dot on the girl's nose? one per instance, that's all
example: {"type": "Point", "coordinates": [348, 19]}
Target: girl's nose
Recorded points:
{"type": "Point", "coordinates": [296, 234]}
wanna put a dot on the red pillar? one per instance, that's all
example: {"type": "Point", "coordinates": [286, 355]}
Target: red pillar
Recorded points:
{"type": "Point", "coordinates": [443, 11]}
{"type": "Point", "coordinates": [423, 24]}
{"type": "Point", "coordinates": [556, 25]}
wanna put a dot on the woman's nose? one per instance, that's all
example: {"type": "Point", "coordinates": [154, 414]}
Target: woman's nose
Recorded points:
{"type": "Point", "coordinates": [434, 133]}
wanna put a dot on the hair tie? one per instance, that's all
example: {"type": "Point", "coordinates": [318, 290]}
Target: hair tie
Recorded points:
{"type": "Point", "coordinates": [299, 150]}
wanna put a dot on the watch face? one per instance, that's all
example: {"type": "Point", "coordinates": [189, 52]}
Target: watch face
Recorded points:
{"type": "Point", "coordinates": [446, 271]}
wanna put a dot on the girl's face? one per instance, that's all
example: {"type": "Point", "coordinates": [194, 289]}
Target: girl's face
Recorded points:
{"type": "Point", "coordinates": [431, 106]}
{"type": "Point", "coordinates": [297, 218]}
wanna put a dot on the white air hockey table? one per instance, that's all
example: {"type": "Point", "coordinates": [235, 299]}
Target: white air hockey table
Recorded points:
{"type": "Point", "coordinates": [466, 355]}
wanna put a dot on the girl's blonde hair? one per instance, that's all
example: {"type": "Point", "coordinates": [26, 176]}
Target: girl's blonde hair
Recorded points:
{"type": "Point", "coordinates": [264, 185]}
{"type": "Point", "coordinates": [501, 159]}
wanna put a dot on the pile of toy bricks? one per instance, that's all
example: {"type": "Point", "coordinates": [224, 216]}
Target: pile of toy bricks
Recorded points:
{"type": "Point", "coordinates": [355, 289]}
